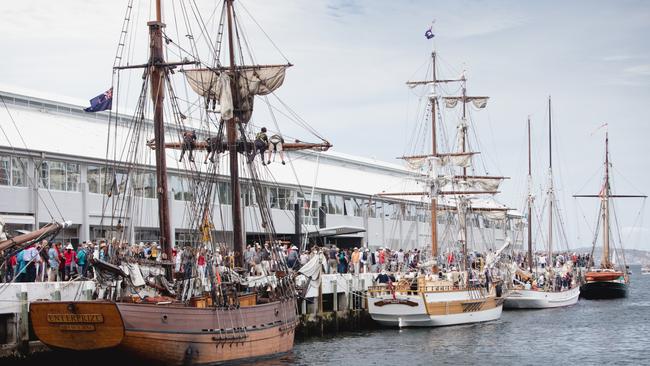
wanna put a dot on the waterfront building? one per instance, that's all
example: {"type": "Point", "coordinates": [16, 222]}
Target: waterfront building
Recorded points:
{"type": "Point", "coordinates": [53, 165]}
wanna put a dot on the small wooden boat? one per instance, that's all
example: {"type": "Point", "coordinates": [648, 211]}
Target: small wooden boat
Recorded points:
{"type": "Point", "coordinates": [603, 276]}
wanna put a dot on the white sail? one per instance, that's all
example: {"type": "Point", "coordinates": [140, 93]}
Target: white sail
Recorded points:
{"type": "Point", "coordinates": [214, 85]}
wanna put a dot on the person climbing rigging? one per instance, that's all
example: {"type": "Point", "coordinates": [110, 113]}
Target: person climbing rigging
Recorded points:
{"type": "Point", "coordinates": [188, 144]}
{"type": "Point", "coordinates": [260, 145]}
{"type": "Point", "coordinates": [213, 145]}
{"type": "Point", "coordinates": [275, 145]}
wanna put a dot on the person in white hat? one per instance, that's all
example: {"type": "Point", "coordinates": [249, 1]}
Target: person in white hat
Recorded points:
{"type": "Point", "coordinates": [70, 257]}
{"type": "Point", "coordinates": [292, 257]}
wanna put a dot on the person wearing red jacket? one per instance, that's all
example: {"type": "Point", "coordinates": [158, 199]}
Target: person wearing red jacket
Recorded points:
{"type": "Point", "coordinates": [70, 260]}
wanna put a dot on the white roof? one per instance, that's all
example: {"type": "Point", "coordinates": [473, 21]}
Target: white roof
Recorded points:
{"type": "Point", "coordinates": [74, 133]}
{"type": "Point", "coordinates": [70, 132]}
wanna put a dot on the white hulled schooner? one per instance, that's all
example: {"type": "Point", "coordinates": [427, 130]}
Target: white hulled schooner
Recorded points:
{"type": "Point", "coordinates": [547, 294]}
{"type": "Point", "coordinates": [465, 292]}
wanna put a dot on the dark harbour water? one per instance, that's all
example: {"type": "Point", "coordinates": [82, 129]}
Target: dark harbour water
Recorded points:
{"type": "Point", "coordinates": [605, 332]}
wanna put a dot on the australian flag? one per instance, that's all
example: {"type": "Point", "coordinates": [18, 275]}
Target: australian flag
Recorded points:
{"type": "Point", "coordinates": [429, 34]}
{"type": "Point", "coordinates": [101, 102]}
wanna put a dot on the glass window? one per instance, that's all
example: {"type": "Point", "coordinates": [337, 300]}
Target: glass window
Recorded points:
{"type": "Point", "coordinates": [391, 211]}
{"type": "Point", "coordinates": [223, 190]}
{"type": "Point", "coordinates": [378, 210]}
{"type": "Point", "coordinates": [282, 198]}
{"type": "Point", "coordinates": [45, 175]}
{"type": "Point", "coordinates": [474, 220]}
{"type": "Point", "coordinates": [121, 179]}
{"type": "Point", "coordinates": [444, 218]}
{"type": "Point", "coordinates": [335, 204]}
{"type": "Point", "coordinates": [5, 170]}
{"type": "Point", "coordinates": [144, 184]}
{"type": "Point", "coordinates": [248, 195]}
{"type": "Point", "coordinates": [72, 177]}
{"type": "Point", "coordinates": [354, 206]}
{"type": "Point", "coordinates": [486, 222]}
{"type": "Point", "coordinates": [310, 209]}
{"type": "Point", "coordinates": [273, 197]}
{"type": "Point", "coordinates": [57, 175]}
{"type": "Point", "coordinates": [19, 172]}
{"type": "Point", "coordinates": [180, 188]}
{"type": "Point", "coordinates": [106, 179]}
{"type": "Point", "coordinates": [410, 212]}
{"type": "Point", "coordinates": [93, 178]}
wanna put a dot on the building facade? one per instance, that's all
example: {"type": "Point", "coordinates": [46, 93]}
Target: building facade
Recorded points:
{"type": "Point", "coordinates": [53, 166]}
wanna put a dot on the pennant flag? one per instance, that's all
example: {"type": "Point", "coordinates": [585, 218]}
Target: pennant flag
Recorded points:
{"type": "Point", "coordinates": [429, 34]}
{"type": "Point", "coordinates": [101, 102]}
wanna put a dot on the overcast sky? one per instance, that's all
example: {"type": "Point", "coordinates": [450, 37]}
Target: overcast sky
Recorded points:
{"type": "Point", "coordinates": [352, 59]}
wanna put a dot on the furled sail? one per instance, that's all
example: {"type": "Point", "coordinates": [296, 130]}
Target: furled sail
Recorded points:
{"type": "Point", "coordinates": [214, 85]}
{"type": "Point", "coordinates": [474, 184]}
{"type": "Point", "coordinates": [418, 163]}
{"type": "Point", "coordinates": [459, 160]}
{"type": "Point", "coordinates": [421, 162]}
{"type": "Point", "coordinates": [478, 102]}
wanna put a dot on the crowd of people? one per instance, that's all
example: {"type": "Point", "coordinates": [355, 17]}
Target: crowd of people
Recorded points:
{"type": "Point", "coordinates": [56, 261]}
{"type": "Point", "coordinates": [558, 272]}
{"type": "Point", "coordinates": [558, 259]}
{"type": "Point", "coordinates": [60, 261]}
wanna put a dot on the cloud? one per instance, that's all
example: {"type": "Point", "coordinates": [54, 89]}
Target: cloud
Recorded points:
{"type": "Point", "coordinates": [638, 70]}
{"type": "Point", "coordinates": [340, 8]}
{"type": "Point", "coordinates": [619, 57]}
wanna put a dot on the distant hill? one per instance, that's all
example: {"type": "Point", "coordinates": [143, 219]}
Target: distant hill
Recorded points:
{"type": "Point", "coordinates": [632, 256]}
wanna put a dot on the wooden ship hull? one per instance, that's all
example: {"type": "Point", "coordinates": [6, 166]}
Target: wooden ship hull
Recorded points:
{"type": "Point", "coordinates": [77, 325]}
{"type": "Point", "coordinates": [178, 335]}
{"type": "Point", "coordinates": [433, 308]}
{"type": "Point", "coordinates": [168, 334]}
{"type": "Point", "coordinates": [535, 299]}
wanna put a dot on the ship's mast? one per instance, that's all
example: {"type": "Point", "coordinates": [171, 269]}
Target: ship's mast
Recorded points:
{"type": "Point", "coordinates": [530, 203]}
{"type": "Point", "coordinates": [434, 152]}
{"type": "Point", "coordinates": [231, 134]}
{"type": "Point", "coordinates": [158, 73]}
{"type": "Point", "coordinates": [463, 211]}
{"type": "Point", "coordinates": [550, 186]}
{"type": "Point", "coordinates": [605, 262]}
{"type": "Point", "coordinates": [605, 195]}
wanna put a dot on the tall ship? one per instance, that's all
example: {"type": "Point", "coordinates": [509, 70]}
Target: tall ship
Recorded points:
{"type": "Point", "coordinates": [454, 283]}
{"type": "Point", "coordinates": [169, 310]}
{"type": "Point", "coordinates": [550, 286]}
{"type": "Point", "coordinates": [610, 279]}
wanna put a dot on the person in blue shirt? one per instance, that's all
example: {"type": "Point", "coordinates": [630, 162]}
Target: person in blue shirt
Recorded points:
{"type": "Point", "coordinates": [21, 266]}
{"type": "Point", "coordinates": [82, 261]}
{"type": "Point", "coordinates": [55, 262]}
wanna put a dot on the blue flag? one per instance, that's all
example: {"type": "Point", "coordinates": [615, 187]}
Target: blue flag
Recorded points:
{"type": "Point", "coordinates": [429, 34]}
{"type": "Point", "coordinates": [101, 102]}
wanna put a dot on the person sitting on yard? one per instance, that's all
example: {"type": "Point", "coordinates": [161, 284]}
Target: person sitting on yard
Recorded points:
{"type": "Point", "coordinates": [189, 142]}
